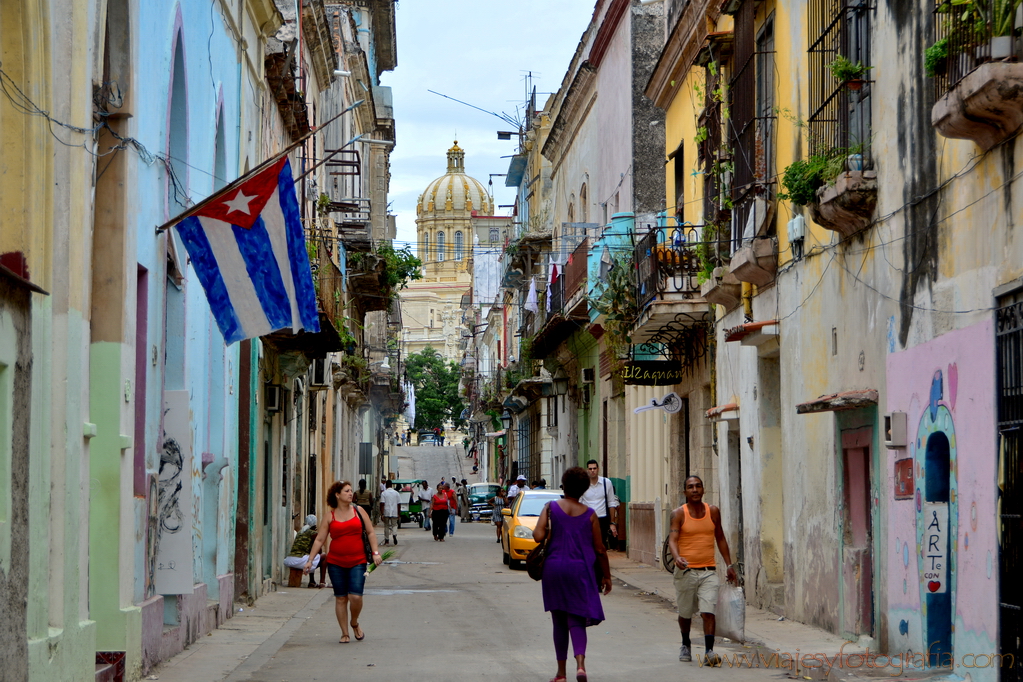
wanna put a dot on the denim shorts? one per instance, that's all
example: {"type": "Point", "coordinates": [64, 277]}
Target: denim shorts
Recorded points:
{"type": "Point", "coordinates": [347, 580]}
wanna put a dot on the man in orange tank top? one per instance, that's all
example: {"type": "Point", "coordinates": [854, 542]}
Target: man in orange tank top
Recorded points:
{"type": "Point", "coordinates": [695, 529]}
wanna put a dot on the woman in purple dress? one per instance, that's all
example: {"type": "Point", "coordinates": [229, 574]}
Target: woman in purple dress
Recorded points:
{"type": "Point", "coordinates": [569, 579]}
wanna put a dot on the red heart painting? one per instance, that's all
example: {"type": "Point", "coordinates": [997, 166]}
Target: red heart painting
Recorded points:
{"type": "Point", "coordinates": [933, 586]}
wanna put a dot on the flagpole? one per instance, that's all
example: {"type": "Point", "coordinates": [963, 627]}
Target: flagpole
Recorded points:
{"type": "Point", "coordinates": [216, 196]}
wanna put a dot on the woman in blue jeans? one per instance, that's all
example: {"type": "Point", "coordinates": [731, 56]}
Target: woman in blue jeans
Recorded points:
{"type": "Point", "coordinates": [346, 555]}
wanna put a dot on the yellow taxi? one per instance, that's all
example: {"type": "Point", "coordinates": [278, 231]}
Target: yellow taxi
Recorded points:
{"type": "Point", "coordinates": [519, 521]}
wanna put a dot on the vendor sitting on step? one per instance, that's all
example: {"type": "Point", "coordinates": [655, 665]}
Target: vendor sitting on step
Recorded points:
{"type": "Point", "coordinates": [299, 554]}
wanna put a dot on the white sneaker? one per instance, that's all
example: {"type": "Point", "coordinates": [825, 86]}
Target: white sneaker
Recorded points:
{"type": "Point", "coordinates": [684, 654]}
{"type": "Point", "coordinates": [712, 658]}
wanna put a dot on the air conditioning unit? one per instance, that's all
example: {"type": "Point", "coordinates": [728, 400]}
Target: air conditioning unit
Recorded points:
{"type": "Point", "coordinates": [320, 376]}
{"type": "Point", "coordinates": [895, 430]}
{"type": "Point", "coordinates": [588, 375]}
{"type": "Point", "coordinates": [274, 398]}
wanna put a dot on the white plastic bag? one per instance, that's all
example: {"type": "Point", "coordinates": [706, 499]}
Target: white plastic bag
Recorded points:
{"type": "Point", "coordinates": [730, 615]}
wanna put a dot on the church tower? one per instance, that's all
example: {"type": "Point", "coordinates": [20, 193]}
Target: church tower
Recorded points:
{"type": "Point", "coordinates": [432, 307]}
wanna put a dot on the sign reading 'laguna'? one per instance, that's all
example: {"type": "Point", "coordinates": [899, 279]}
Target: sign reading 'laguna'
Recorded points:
{"type": "Point", "coordinates": [652, 372]}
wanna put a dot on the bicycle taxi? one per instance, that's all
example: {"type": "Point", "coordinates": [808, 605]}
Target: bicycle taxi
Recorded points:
{"type": "Point", "coordinates": [410, 509]}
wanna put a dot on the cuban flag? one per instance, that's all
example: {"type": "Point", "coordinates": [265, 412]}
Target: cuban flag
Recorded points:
{"type": "Point", "coordinates": [248, 250]}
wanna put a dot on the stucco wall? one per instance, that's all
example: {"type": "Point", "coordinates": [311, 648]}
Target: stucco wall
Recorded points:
{"type": "Point", "coordinates": [15, 413]}
{"type": "Point", "coordinates": [947, 385]}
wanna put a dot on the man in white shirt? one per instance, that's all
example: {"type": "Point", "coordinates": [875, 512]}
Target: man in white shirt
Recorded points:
{"type": "Point", "coordinates": [518, 486]}
{"type": "Point", "coordinates": [426, 497]}
{"type": "Point", "coordinates": [389, 501]}
{"type": "Point", "coordinates": [601, 498]}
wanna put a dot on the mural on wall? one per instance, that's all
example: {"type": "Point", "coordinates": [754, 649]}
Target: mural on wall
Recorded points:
{"type": "Point", "coordinates": [942, 591]}
{"type": "Point", "coordinates": [174, 553]}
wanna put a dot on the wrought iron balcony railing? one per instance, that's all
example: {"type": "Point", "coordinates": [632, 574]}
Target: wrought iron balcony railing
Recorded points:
{"type": "Point", "coordinates": [667, 263]}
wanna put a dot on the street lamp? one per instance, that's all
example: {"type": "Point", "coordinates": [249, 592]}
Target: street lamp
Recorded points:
{"type": "Point", "coordinates": [506, 420]}
{"type": "Point", "coordinates": [560, 380]}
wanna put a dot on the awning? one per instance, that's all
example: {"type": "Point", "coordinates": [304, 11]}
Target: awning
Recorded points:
{"type": "Point", "coordinates": [752, 333]}
{"type": "Point", "coordinates": [495, 434]}
{"type": "Point", "coordinates": [836, 402]}
{"type": "Point", "coordinates": [726, 412]}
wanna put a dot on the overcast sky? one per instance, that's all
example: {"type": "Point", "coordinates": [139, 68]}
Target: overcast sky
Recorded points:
{"type": "Point", "coordinates": [479, 52]}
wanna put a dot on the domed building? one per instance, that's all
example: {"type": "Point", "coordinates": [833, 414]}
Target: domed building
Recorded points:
{"type": "Point", "coordinates": [432, 307]}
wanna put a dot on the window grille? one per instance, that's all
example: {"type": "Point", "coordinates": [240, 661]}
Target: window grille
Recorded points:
{"type": "Point", "coordinates": [839, 117]}
{"type": "Point", "coordinates": [440, 247]}
{"type": "Point", "coordinates": [710, 151]}
{"type": "Point", "coordinates": [747, 145]}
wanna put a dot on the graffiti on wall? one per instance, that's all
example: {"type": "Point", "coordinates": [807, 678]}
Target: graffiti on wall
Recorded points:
{"type": "Point", "coordinates": [940, 592]}
{"type": "Point", "coordinates": [174, 552]}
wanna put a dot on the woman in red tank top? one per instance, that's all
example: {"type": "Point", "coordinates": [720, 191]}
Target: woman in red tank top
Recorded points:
{"type": "Point", "coordinates": [346, 554]}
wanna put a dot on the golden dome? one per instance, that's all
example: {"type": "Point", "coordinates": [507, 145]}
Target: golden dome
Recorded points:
{"type": "Point", "coordinates": [454, 192]}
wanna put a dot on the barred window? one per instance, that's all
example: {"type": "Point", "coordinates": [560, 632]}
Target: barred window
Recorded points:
{"type": "Point", "coordinates": [751, 127]}
{"type": "Point", "coordinates": [440, 247]}
{"type": "Point", "coordinates": [459, 245]}
{"type": "Point", "coordinates": [839, 116]}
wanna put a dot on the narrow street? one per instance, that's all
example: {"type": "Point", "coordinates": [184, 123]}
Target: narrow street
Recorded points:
{"type": "Point", "coordinates": [449, 611]}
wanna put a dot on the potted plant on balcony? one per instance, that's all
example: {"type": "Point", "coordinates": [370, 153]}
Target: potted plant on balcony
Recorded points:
{"type": "Point", "coordinates": [847, 73]}
{"type": "Point", "coordinates": [936, 58]}
{"type": "Point", "coordinates": [839, 194]}
{"type": "Point", "coordinates": [615, 300]}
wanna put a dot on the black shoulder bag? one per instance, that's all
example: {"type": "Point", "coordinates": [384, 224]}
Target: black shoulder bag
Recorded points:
{"type": "Point", "coordinates": [536, 556]}
{"type": "Point", "coordinates": [366, 547]}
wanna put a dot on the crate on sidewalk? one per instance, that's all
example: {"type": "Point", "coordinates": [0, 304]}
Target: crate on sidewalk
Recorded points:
{"type": "Point", "coordinates": [295, 577]}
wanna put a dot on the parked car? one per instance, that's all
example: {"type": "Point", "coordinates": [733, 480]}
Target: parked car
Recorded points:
{"type": "Point", "coordinates": [479, 494]}
{"type": "Point", "coordinates": [519, 521]}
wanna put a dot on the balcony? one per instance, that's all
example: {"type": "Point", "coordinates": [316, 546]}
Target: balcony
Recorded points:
{"type": "Point", "coordinates": [986, 106]}
{"type": "Point", "coordinates": [557, 325]}
{"type": "Point", "coordinates": [668, 293]}
{"type": "Point", "coordinates": [365, 281]}
{"type": "Point", "coordinates": [327, 279]}
{"type": "Point", "coordinates": [575, 278]}
{"type": "Point", "coordinates": [848, 205]}
{"type": "Point", "coordinates": [978, 77]}
{"type": "Point", "coordinates": [756, 262]}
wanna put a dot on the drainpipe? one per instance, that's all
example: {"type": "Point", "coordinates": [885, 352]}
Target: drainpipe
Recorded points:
{"type": "Point", "coordinates": [747, 300]}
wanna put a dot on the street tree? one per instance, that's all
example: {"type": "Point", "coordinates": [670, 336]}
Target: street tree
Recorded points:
{"type": "Point", "coordinates": [436, 383]}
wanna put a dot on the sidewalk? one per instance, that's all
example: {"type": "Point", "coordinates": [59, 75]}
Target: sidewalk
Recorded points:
{"type": "Point", "coordinates": [767, 635]}
{"type": "Point", "coordinates": [247, 641]}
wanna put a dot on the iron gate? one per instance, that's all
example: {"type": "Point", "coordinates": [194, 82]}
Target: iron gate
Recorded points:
{"type": "Point", "coordinates": [1009, 348]}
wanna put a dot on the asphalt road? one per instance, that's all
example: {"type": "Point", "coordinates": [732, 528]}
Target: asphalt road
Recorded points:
{"type": "Point", "coordinates": [433, 462]}
{"type": "Point", "coordinates": [454, 611]}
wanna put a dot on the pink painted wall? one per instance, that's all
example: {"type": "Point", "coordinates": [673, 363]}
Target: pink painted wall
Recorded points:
{"type": "Point", "coordinates": [966, 361]}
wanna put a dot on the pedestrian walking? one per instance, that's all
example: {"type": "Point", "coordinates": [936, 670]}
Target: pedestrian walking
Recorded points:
{"type": "Point", "coordinates": [390, 499]}
{"type": "Point", "coordinates": [498, 502]}
{"type": "Point", "coordinates": [346, 555]}
{"type": "Point", "coordinates": [364, 498]}
{"type": "Point", "coordinates": [439, 509]}
{"type": "Point", "coordinates": [463, 500]}
{"type": "Point", "coordinates": [569, 585]}
{"type": "Point", "coordinates": [452, 505]}
{"type": "Point", "coordinates": [426, 499]}
{"type": "Point", "coordinates": [298, 557]}
{"type": "Point", "coordinates": [695, 529]}
{"type": "Point", "coordinates": [601, 498]}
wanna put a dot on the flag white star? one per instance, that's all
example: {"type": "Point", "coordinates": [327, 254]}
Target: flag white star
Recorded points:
{"type": "Point", "coordinates": [240, 203]}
